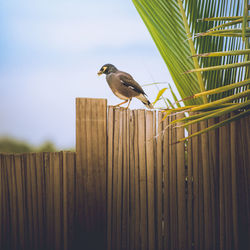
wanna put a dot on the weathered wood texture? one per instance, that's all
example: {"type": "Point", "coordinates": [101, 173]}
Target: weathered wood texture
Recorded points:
{"type": "Point", "coordinates": [37, 200]}
{"type": "Point", "coordinates": [91, 171]}
{"type": "Point", "coordinates": [193, 198]}
{"type": "Point", "coordinates": [220, 165]}
{"type": "Point", "coordinates": [130, 186]}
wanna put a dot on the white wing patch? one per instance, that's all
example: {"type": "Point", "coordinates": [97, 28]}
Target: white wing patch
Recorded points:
{"type": "Point", "coordinates": [128, 86]}
{"type": "Point", "coordinates": [131, 87]}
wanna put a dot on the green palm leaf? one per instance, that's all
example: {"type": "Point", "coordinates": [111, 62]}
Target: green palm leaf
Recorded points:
{"type": "Point", "coordinates": [160, 93]}
{"type": "Point", "coordinates": [164, 22]}
{"type": "Point", "coordinates": [209, 38]}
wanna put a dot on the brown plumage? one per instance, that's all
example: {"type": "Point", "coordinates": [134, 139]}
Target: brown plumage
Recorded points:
{"type": "Point", "coordinates": [123, 85]}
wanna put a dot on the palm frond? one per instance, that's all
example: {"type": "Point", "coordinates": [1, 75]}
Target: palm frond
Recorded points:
{"type": "Point", "coordinates": [218, 44]}
{"type": "Point", "coordinates": [164, 22]}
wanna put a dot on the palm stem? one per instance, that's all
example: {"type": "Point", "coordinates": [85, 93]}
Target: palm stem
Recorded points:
{"type": "Point", "coordinates": [192, 49]}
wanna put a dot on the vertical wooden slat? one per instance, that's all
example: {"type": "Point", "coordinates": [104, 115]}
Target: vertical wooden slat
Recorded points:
{"type": "Point", "coordinates": [9, 197]}
{"type": "Point", "coordinates": [128, 112]}
{"type": "Point", "coordinates": [127, 170]}
{"type": "Point", "coordinates": [132, 208]}
{"type": "Point", "coordinates": [91, 120]}
{"type": "Point", "coordinates": [110, 175]}
{"type": "Point", "coordinates": [33, 168]}
{"type": "Point", "coordinates": [65, 220]}
{"type": "Point", "coordinates": [5, 205]}
{"type": "Point", "coordinates": [102, 161]}
{"type": "Point", "coordinates": [137, 182]}
{"type": "Point", "coordinates": [20, 203]}
{"type": "Point", "coordinates": [246, 121]}
{"type": "Point", "coordinates": [221, 190]}
{"type": "Point", "coordinates": [49, 171]}
{"type": "Point", "coordinates": [195, 162]}
{"type": "Point", "coordinates": [119, 184]}
{"type": "Point", "coordinates": [23, 180]}
{"type": "Point", "coordinates": [228, 190]}
{"type": "Point", "coordinates": [181, 188]}
{"type": "Point", "coordinates": [243, 178]}
{"type": "Point", "coordinates": [159, 182]}
{"type": "Point", "coordinates": [190, 204]}
{"type": "Point", "coordinates": [64, 186]}
{"type": "Point", "coordinates": [9, 187]}
{"type": "Point", "coordinates": [143, 179]}
{"type": "Point", "coordinates": [213, 169]}
{"type": "Point", "coordinates": [125, 190]}
{"type": "Point", "coordinates": [31, 203]}
{"type": "Point", "coordinates": [173, 188]}
{"type": "Point", "coordinates": [13, 201]}
{"type": "Point", "coordinates": [245, 131]}
{"type": "Point", "coordinates": [200, 197]}
{"type": "Point", "coordinates": [124, 184]}
{"type": "Point", "coordinates": [166, 181]}
{"type": "Point", "coordinates": [57, 209]}
{"type": "Point", "coordinates": [115, 174]}
{"type": "Point", "coordinates": [207, 188]}
{"type": "Point", "coordinates": [225, 178]}
{"type": "Point", "coordinates": [81, 156]}
{"type": "Point", "coordinates": [233, 140]}
{"type": "Point", "coordinates": [69, 202]}
{"type": "Point", "coordinates": [41, 193]}
{"type": "Point", "coordinates": [150, 178]}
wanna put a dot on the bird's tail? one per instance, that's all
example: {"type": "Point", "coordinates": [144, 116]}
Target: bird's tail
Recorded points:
{"type": "Point", "coordinates": [145, 101]}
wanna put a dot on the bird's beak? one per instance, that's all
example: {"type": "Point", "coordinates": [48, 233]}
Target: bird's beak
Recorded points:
{"type": "Point", "coordinates": [99, 73]}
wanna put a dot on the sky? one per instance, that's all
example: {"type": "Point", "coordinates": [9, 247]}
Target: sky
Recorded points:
{"type": "Point", "coordinates": [50, 54]}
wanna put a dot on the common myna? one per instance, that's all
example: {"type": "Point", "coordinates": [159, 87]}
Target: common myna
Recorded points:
{"type": "Point", "coordinates": [123, 85]}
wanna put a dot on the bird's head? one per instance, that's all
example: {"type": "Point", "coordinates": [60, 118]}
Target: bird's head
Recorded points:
{"type": "Point", "coordinates": [107, 69]}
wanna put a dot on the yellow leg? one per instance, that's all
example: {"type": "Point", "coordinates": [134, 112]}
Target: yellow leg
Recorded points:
{"type": "Point", "coordinates": [118, 105]}
{"type": "Point", "coordinates": [129, 103]}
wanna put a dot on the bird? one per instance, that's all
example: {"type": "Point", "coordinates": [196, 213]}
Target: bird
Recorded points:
{"type": "Point", "coordinates": [123, 85]}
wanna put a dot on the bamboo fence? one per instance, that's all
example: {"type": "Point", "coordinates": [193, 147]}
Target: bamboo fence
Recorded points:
{"type": "Point", "coordinates": [130, 186]}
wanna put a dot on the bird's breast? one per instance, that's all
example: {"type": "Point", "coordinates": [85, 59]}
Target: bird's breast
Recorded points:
{"type": "Point", "coordinates": [116, 86]}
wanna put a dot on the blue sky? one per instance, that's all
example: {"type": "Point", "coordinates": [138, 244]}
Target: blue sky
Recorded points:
{"type": "Point", "coordinates": [50, 54]}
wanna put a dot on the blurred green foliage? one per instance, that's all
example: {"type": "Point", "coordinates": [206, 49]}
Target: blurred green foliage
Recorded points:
{"type": "Point", "coordinates": [11, 145]}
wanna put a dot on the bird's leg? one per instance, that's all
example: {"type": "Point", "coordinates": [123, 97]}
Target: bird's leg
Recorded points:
{"type": "Point", "coordinates": [129, 103]}
{"type": "Point", "coordinates": [118, 105]}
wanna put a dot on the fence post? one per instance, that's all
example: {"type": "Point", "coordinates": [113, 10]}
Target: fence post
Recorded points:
{"type": "Point", "coordinates": [91, 167]}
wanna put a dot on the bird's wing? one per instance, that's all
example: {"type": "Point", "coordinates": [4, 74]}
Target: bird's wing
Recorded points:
{"type": "Point", "coordinates": [129, 82]}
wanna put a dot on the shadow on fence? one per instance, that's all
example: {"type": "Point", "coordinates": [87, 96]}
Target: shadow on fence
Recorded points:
{"type": "Point", "coordinates": [128, 186]}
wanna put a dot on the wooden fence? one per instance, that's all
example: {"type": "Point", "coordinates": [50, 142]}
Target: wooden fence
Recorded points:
{"type": "Point", "coordinates": [129, 186]}
{"type": "Point", "coordinates": [37, 200]}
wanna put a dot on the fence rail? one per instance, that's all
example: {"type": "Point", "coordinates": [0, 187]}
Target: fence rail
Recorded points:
{"type": "Point", "coordinates": [130, 186]}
